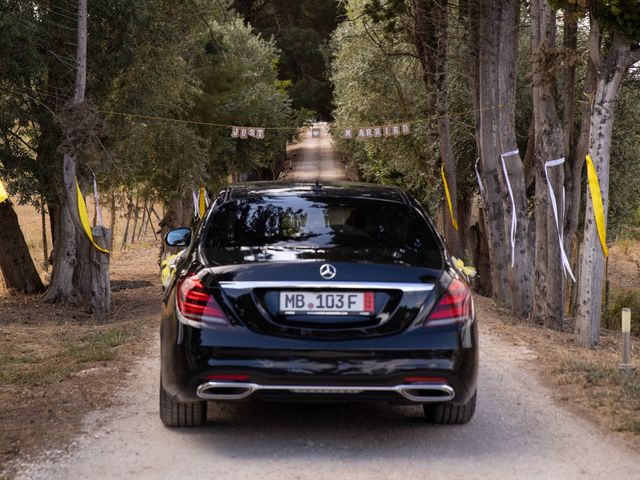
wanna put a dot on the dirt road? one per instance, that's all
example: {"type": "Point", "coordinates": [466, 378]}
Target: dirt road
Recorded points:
{"type": "Point", "coordinates": [519, 432]}
{"type": "Point", "coordinates": [313, 158]}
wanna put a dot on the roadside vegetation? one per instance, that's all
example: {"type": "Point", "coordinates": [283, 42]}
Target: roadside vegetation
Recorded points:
{"type": "Point", "coordinates": [585, 381]}
{"type": "Point", "coordinates": [60, 362]}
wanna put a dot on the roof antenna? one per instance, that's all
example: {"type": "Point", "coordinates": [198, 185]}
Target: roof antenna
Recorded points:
{"type": "Point", "coordinates": [317, 186]}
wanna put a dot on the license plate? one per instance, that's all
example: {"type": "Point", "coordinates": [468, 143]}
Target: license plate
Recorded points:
{"type": "Point", "coordinates": [327, 303]}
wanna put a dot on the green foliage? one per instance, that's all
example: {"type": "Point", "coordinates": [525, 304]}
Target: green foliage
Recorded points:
{"type": "Point", "coordinates": [301, 30]}
{"type": "Point", "coordinates": [612, 317]}
{"type": "Point", "coordinates": [386, 13]}
{"type": "Point", "coordinates": [375, 88]}
{"type": "Point", "coordinates": [185, 60]}
{"type": "Point", "coordinates": [124, 36]}
{"type": "Point", "coordinates": [624, 190]}
{"type": "Point", "coordinates": [239, 86]}
{"type": "Point", "coordinates": [622, 16]}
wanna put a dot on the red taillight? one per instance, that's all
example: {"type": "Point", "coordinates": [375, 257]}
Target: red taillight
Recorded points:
{"type": "Point", "coordinates": [425, 380]}
{"type": "Point", "coordinates": [228, 377]}
{"type": "Point", "coordinates": [195, 304]}
{"type": "Point", "coordinates": [453, 307]}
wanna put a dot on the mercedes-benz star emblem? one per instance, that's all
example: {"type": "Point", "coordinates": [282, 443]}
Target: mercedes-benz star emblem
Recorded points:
{"type": "Point", "coordinates": [327, 271]}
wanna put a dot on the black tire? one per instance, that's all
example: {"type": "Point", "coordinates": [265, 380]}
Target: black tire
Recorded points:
{"type": "Point", "coordinates": [448, 414]}
{"type": "Point", "coordinates": [181, 414]}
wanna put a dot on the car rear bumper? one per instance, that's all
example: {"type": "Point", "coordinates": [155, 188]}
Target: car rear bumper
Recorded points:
{"type": "Point", "coordinates": [441, 364]}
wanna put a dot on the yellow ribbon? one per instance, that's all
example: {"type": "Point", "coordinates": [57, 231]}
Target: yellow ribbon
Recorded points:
{"type": "Point", "coordinates": [468, 270]}
{"type": "Point", "coordinates": [596, 201]}
{"type": "Point", "coordinates": [202, 203]}
{"type": "Point", "coordinates": [454, 222]}
{"type": "Point", "coordinates": [167, 268]}
{"type": "Point", "coordinates": [84, 219]}
{"type": "Point", "coordinates": [3, 193]}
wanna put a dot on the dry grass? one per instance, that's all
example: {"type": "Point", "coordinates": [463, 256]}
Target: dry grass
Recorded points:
{"type": "Point", "coordinates": [30, 222]}
{"type": "Point", "coordinates": [49, 352]}
{"type": "Point", "coordinates": [624, 265]}
{"type": "Point", "coordinates": [585, 380]}
{"type": "Point", "coordinates": [57, 362]}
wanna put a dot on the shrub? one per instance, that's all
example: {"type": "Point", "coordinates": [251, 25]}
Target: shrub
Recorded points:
{"type": "Point", "coordinates": [611, 318]}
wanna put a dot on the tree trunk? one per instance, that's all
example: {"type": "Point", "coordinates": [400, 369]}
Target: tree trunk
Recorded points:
{"type": "Point", "coordinates": [100, 282]}
{"type": "Point", "coordinates": [43, 228]}
{"type": "Point", "coordinates": [479, 248]}
{"type": "Point", "coordinates": [592, 268]}
{"type": "Point", "coordinates": [479, 245]}
{"type": "Point", "coordinates": [82, 274]}
{"type": "Point", "coordinates": [16, 264]}
{"type": "Point", "coordinates": [150, 222]}
{"type": "Point", "coordinates": [177, 213]}
{"type": "Point", "coordinates": [549, 145]}
{"type": "Point", "coordinates": [529, 156]}
{"type": "Point", "coordinates": [611, 71]}
{"type": "Point", "coordinates": [112, 223]}
{"type": "Point", "coordinates": [540, 260]}
{"type": "Point", "coordinates": [54, 212]}
{"type": "Point", "coordinates": [485, 44]}
{"type": "Point", "coordinates": [465, 212]}
{"type": "Point", "coordinates": [572, 178]}
{"type": "Point", "coordinates": [61, 287]}
{"type": "Point", "coordinates": [136, 212]}
{"type": "Point", "coordinates": [554, 310]}
{"type": "Point", "coordinates": [570, 45]}
{"type": "Point", "coordinates": [576, 159]}
{"type": "Point", "coordinates": [520, 275]}
{"type": "Point", "coordinates": [73, 270]}
{"type": "Point", "coordinates": [125, 236]}
{"type": "Point", "coordinates": [145, 221]}
{"type": "Point", "coordinates": [431, 40]}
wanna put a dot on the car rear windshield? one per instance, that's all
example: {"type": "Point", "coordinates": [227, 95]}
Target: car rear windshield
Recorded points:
{"type": "Point", "coordinates": [281, 228]}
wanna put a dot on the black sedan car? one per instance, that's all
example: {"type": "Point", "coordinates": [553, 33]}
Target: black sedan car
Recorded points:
{"type": "Point", "coordinates": [316, 292]}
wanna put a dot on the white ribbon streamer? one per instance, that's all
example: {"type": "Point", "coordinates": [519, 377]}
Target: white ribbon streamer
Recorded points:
{"type": "Point", "coordinates": [479, 178]}
{"type": "Point", "coordinates": [96, 197]}
{"type": "Point", "coordinates": [196, 206]}
{"type": "Point", "coordinates": [566, 266]}
{"type": "Point", "coordinates": [514, 220]}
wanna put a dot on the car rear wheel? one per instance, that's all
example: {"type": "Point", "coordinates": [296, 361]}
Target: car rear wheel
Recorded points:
{"type": "Point", "coordinates": [448, 414]}
{"type": "Point", "coordinates": [181, 414]}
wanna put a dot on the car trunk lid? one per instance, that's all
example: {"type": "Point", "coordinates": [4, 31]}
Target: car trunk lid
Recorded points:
{"type": "Point", "coordinates": [384, 298]}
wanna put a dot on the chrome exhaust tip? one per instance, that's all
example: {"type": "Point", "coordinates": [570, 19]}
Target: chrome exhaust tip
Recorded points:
{"type": "Point", "coordinates": [427, 392]}
{"type": "Point", "coordinates": [414, 392]}
{"type": "Point", "coordinates": [225, 390]}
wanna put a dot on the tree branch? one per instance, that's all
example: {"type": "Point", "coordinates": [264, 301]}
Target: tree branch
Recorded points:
{"type": "Point", "coordinates": [634, 55]}
{"type": "Point", "coordinates": [594, 43]}
{"type": "Point", "coordinates": [376, 41]}
{"type": "Point", "coordinates": [21, 140]}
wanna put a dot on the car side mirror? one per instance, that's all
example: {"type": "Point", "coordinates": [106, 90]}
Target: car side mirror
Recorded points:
{"type": "Point", "coordinates": [178, 237]}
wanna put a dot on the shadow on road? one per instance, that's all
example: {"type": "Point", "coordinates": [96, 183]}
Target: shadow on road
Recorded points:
{"type": "Point", "coordinates": [365, 431]}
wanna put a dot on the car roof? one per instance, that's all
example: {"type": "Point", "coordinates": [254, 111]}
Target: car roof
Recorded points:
{"type": "Point", "coordinates": [333, 189]}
